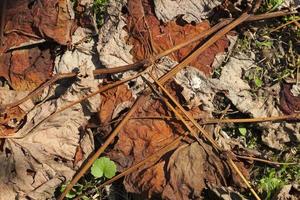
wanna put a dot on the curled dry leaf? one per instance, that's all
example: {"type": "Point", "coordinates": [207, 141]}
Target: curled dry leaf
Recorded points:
{"type": "Point", "coordinates": [28, 23]}
{"type": "Point", "coordinates": [289, 103]}
{"type": "Point", "coordinates": [189, 168]}
{"type": "Point", "coordinates": [11, 119]}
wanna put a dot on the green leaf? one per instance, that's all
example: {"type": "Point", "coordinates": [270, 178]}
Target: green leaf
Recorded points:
{"type": "Point", "coordinates": [76, 190]}
{"type": "Point", "coordinates": [270, 183]}
{"type": "Point", "coordinates": [103, 167]}
{"type": "Point", "coordinates": [267, 43]}
{"type": "Point", "coordinates": [85, 198]}
{"type": "Point", "coordinates": [258, 82]}
{"type": "Point", "coordinates": [243, 131]}
{"type": "Point", "coordinates": [71, 194]}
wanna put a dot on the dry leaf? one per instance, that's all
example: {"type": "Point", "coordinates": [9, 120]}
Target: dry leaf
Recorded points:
{"type": "Point", "coordinates": [189, 10]}
{"type": "Point", "coordinates": [289, 103]}
{"type": "Point", "coordinates": [149, 36]}
{"type": "Point", "coordinates": [28, 23]}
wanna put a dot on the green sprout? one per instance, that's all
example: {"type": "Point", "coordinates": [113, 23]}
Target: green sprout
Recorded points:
{"type": "Point", "coordinates": [103, 167]}
{"type": "Point", "coordinates": [99, 8]}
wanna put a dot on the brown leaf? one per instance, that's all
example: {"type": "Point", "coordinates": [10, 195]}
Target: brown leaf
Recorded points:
{"type": "Point", "coordinates": [148, 34]}
{"type": "Point", "coordinates": [151, 180]}
{"type": "Point", "coordinates": [78, 155]}
{"type": "Point", "coordinates": [289, 103]}
{"type": "Point", "coordinates": [26, 69]}
{"type": "Point", "coordinates": [53, 20]}
{"type": "Point", "coordinates": [25, 23]}
{"type": "Point", "coordinates": [11, 120]}
{"type": "Point", "coordinates": [140, 138]}
{"type": "Point", "coordinates": [190, 168]}
{"type": "Point", "coordinates": [110, 99]}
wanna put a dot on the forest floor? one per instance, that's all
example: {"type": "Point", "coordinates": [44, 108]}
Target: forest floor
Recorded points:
{"type": "Point", "coordinates": [150, 99]}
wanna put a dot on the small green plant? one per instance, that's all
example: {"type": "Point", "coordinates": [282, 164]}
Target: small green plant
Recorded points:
{"type": "Point", "coordinates": [243, 131]}
{"type": "Point", "coordinates": [244, 44]}
{"type": "Point", "coordinates": [266, 43]}
{"type": "Point", "coordinates": [99, 8]}
{"type": "Point", "coordinates": [254, 76]}
{"type": "Point", "coordinates": [270, 183]}
{"type": "Point", "coordinates": [76, 190]}
{"type": "Point", "coordinates": [103, 167]}
{"type": "Point", "coordinates": [274, 179]}
{"type": "Point", "coordinates": [273, 4]}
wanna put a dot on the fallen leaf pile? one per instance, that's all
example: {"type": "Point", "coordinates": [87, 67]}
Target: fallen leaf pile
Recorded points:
{"type": "Point", "coordinates": [46, 143]}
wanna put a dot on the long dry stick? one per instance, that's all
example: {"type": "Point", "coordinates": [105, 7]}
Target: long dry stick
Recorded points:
{"type": "Point", "coordinates": [207, 136]}
{"type": "Point", "coordinates": [252, 120]}
{"type": "Point", "coordinates": [2, 21]}
{"type": "Point", "coordinates": [207, 44]}
{"type": "Point", "coordinates": [266, 161]}
{"type": "Point", "coordinates": [147, 61]}
{"type": "Point", "coordinates": [70, 75]}
{"type": "Point", "coordinates": [295, 116]}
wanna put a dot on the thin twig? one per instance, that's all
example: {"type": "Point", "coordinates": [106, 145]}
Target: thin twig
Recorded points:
{"type": "Point", "coordinates": [283, 25]}
{"type": "Point", "coordinates": [2, 22]}
{"type": "Point", "coordinates": [270, 15]}
{"type": "Point", "coordinates": [70, 75]}
{"type": "Point", "coordinates": [252, 120]}
{"type": "Point", "coordinates": [266, 161]}
{"type": "Point", "coordinates": [38, 90]}
{"type": "Point", "coordinates": [218, 121]}
{"type": "Point", "coordinates": [243, 178]}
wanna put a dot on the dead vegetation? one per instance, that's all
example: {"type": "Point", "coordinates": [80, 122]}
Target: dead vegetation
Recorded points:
{"type": "Point", "coordinates": [189, 99]}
